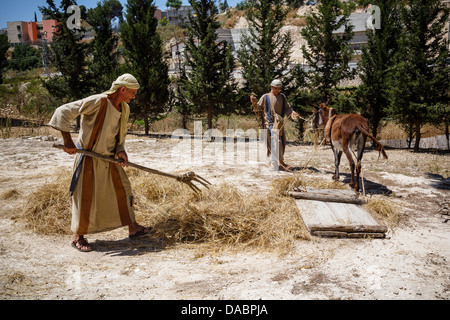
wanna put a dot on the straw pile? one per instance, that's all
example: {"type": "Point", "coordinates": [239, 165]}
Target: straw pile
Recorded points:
{"type": "Point", "coordinates": [383, 210]}
{"type": "Point", "coordinates": [9, 193]}
{"type": "Point", "coordinates": [48, 209]}
{"type": "Point", "coordinates": [222, 216]}
{"type": "Point", "coordinates": [299, 182]}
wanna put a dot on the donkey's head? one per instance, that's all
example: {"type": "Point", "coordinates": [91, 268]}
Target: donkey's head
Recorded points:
{"type": "Point", "coordinates": [321, 115]}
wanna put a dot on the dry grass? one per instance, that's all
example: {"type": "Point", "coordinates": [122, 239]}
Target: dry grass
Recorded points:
{"type": "Point", "coordinates": [48, 209]}
{"type": "Point", "coordinates": [299, 182]}
{"type": "Point", "coordinates": [229, 20]}
{"type": "Point", "coordinates": [19, 132]}
{"type": "Point", "coordinates": [9, 193]}
{"type": "Point", "coordinates": [293, 19]}
{"type": "Point", "coordinates": [384, 211]}
{"type": "Point", "coordinates": [222, 216]}
{"type": "Point", "coordinates": [292, 182]}
{"type": "Point", "coordinates": [391, 130]}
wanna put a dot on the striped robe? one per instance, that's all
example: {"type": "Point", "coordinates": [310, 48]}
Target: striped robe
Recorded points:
{"type": "Point", "coordinates": [102, 198]}
{"type": "Point", "coordinates": [276, 104]}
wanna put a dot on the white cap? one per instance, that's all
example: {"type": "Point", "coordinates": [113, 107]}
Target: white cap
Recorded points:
{"type": "Point", "coordinates": [125, 80]}
{"type": "Point", "coordinates": [276, 83]}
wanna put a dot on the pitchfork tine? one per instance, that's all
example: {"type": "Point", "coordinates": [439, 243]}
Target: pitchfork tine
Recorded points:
{"type": "Point", "coordinates": [199, 180]}
{"type": "Point", "coordinates": [189, 177]}
{"type": "Point", "coordinates": [193, 187]}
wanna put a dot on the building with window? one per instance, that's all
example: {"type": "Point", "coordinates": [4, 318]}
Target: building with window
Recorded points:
{"type": "Point", "coordinates": [177, 17]}
{"type": "Point", "coordinates": [359, 40]}
{"type": "Point", "coordinates": [21, 32]}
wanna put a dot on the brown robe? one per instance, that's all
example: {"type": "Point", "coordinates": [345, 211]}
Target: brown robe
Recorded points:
{"type": "Point", "coordinates": [102, 199]}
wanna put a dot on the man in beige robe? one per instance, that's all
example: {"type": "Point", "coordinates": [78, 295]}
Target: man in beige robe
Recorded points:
{"type": "Point", "coordinates": [275, 108]}
{"type": "Point", "coordinates": [101, 192]}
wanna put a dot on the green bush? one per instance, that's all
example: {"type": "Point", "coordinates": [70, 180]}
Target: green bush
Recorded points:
{"type": "Point", "coordinates": [25, 57]}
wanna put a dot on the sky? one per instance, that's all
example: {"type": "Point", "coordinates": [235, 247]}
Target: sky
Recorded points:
{"type": "Point", "coordinates": [23, 10]}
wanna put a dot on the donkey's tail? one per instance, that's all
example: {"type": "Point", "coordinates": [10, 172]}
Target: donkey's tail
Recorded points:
{"type": "Point", "coordinates": [379, 145]}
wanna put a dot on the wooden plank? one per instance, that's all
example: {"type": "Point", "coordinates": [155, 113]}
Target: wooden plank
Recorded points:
{"type": "Point", "coordinates": [339, 192]}
{"type": "Point", "coordinates": [354, 235]}
{"type": "Point", "coordinates": [364, 235]}
{"type": "Point", "coordinates": [330, 234]}
{"type": "Point", "coordinates": [350, 228]}
{"type": "Point", "coordinates": [314, 212]}
{"type": "Point", "coordinates": [326, 197]}
{"type": "Point", "coordinates": [332, 219]}
{"type": "Point", "coordinates": [333, 214]}
{"type": "Point", "coordinates": [351, 214]}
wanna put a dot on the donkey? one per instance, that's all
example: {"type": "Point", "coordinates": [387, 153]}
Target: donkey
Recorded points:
{"type": "Point", "coordinates": [346, 133]}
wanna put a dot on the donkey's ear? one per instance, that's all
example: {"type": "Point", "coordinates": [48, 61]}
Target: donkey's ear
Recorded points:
{"type": "Point", "coordinates": [332, 112]}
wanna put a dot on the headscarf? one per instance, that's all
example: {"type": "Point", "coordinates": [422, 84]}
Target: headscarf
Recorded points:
{"type": "Point", "coordinates": [130, 82]}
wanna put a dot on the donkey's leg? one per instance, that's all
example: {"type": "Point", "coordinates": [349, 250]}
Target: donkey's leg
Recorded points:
{"type": "Point", "coordinates": [347, 151]}
{"type": "Point", "coordinates": [361, 144]}
{"type": "Point", "coordinates": [337, 161]}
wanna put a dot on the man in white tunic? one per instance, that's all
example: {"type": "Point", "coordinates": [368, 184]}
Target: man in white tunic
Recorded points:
{"type": "Point", "coordinates": [101, 192]}
{"type": "Point", "coordinates": [275, 107]}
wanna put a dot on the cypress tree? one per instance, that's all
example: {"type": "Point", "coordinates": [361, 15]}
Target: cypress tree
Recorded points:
{"type": "Point", "coordinates": [327, 54]}
{"type": "Point", "coordinates": [265, 52]}
{"type": "Point", "coordinates": [183, 105]}
{"type": "Point", "coordinates": [4, 45]}
{"type": "Point", "coordinates": [420, 78]}
{"type": "Point", "coordinates": [295, 3]}
{"type": "Point", "coordinates": [207, 82]}
{"type": "Point", "coordinates": [146, 59]}
{"type": "Point", "coordinates": [103, 48]}
{"type": "Point", "coordinates": [68, 55]}
{"type": "Point", "coordinates": [377, 60]}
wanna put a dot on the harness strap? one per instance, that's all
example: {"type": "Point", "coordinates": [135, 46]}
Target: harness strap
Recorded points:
{"type": "Point", "coordinates": [76, 173]}
{"type": "Point", "coordinates": [327, 130]}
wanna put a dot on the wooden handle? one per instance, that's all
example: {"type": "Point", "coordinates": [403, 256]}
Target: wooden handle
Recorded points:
{"type": "Point", "coordinates": [114, 160]}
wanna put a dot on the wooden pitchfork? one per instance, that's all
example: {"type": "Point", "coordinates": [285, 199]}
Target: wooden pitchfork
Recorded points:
{"type": "Point", "coordinates": [188, 177]}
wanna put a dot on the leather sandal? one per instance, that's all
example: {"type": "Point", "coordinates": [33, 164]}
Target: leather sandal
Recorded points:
{"type": "Point", "coordinates": [82, 245]}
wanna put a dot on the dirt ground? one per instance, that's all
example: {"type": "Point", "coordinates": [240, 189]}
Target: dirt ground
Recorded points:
{"type": "Point", "coordinates": [411, 263]}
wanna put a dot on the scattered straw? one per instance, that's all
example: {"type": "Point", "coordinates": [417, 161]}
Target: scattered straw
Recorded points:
{"type": "Point", "coordinates": [48, 209]}
{"type": "Point", "coordinates": [289, 183]}
{"type": "Point", "coordinates": [9, 193]}
{"type": "Point", "coordinates": [299, 182]}
{"type": "Point", "coordinates": [222, 216]}
{"type": "Point", "coordinates": [383, 210]}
